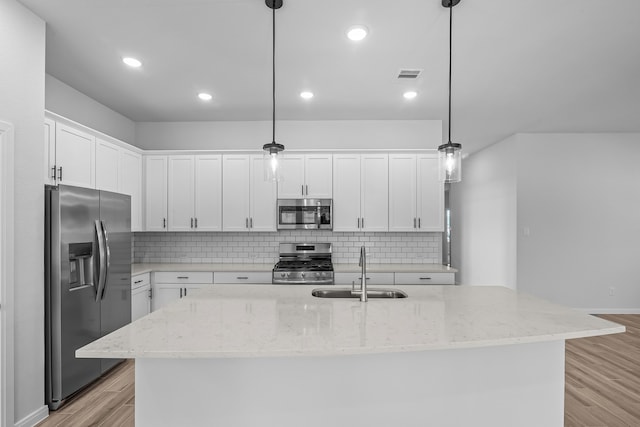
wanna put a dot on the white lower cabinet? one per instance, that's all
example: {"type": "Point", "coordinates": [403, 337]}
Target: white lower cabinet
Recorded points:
{"type": "Point", "coordinates": [170, 286]}
{"type": "Point", "coordinates": [253, 277]}
{"type": "Point", "coordinates": [355, 278]}
{"type": "Point", "coordinates": [425, 278]}
{"type": "Point", "coordinates": [140, 296]}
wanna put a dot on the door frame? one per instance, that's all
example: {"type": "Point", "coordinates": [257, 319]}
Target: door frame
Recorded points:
{"type": "Point", "coordinates": [6, 274]}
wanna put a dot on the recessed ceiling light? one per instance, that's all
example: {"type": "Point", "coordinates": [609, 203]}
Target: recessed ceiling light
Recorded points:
{"type": "Point", "coordinates": [306, 95]}
{"type": "Point", "coordinates": [357, 33]}
{"type": "Point", "coordinates": [410, 94]}
{"type": "Point", "coordinates": [205, 96]}
{"type": "Point", "coordinates": [132, 62]}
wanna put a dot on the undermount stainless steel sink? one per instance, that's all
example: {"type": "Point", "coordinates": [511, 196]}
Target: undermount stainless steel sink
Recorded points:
{"type": "Point", "coordinates": [348, 293]}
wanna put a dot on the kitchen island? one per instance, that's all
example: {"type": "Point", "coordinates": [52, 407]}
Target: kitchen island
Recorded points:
{"type": "Point", "coordinates": [249, 355]}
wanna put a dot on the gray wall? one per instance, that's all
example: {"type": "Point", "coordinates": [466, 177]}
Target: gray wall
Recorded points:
{"type": "Point", "coordinates": [22, 55]}
{"type": "Point", "coordinates": [326, 134]}
{"type": "Point", "coordinates": [576, 222]}
{"type": "Point", "coordinates": [64, 100]}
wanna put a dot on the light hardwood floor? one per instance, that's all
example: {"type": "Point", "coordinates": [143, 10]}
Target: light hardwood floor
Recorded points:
{"type": "Point", "coordinates": [602, 386]}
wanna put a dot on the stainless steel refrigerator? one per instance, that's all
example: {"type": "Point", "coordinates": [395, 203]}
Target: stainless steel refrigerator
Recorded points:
{"type": "Point", "coordinates": [87, 282]}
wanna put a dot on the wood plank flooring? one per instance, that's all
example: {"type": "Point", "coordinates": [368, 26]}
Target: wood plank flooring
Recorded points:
{"type": "Point", "coordinates": [602, 386]}
{"type": "Point", "coordinates": [602, 377]}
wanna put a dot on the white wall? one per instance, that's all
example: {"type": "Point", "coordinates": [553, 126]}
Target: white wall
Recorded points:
{"type": "Point", "coordinates": [327, 134]}
{"type": "Point", "coordinates": [483, 209]}
{"type": "Point", "coordinates": [579, 194]}
{"type": "Point", "coordinates": [576, 226]}
{"type": "Point", "coordinates": [64, 100]}
{"type": "Point", "coordinates": [22, 56]}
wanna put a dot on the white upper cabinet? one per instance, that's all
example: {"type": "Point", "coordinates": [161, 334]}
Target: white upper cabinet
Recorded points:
{"type": "Point", "coordinates": [262, 206]}
{"type": "Point", "coordinates": [107, 165]}
{"type": "Point", "coordinates": [416, 196]}
{"type": "Point", "coordinates": [360, 192]}
{"type": "Point", "coordinates": [181, 195]}
{"type": "Point", "coordinates": [374, 185]}
{"type": "Point", "coordinates": [195, 193]}
{"type": "Point", "coordinates": [50, 171]}
{"type": "Point", "coordinates": [130, 182]}
{"type": "Point", "coordinates": [306, 176]}
{"type": "Point", "coordinates": [430, 189]}
{"type": "Point", "coordinates": [346, 192]}
{"type": "Point", "coordinates": [208, 193]}
{"type": "Point", "coordinates": [249, 202]}
{"type": "Point", "coordinates": [155, 184]}
{"type": "Point", "coordinates": [75, 156]}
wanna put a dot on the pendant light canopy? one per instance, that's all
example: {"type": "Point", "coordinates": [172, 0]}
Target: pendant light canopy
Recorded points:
{"type": "Point", "coordinates": [273, 150]}
{"type": "Point", "coordinates": [450, 154]}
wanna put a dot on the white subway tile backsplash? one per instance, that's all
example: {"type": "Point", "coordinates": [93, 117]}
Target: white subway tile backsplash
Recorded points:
{"type": "Point", "coordinates": [262, 248]}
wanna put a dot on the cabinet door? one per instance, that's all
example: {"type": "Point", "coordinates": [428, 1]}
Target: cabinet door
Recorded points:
{"type": "Point", "coordinates": [130, 182]}
{"type": "Point", "coordinates": [107, 157]}
{"type": "Point", "coordinates": [346, 192]}
{"type": "Point", "coordinates": [430, 195]}
{"type": "Point", "coordinates": [140, 302]}
{"type": "Point", "coordinates": [164, 294]}
{"type": "Point", "coordinates": [374, 204]}
{"type": "Point", "coordinates": [75, 154]}
{"type": "Point", "coordinates": [263, 198]}
{"type": "Point", "coordinates": [318, 176]}
{"type": "Point", "coordinates": [208, 193]}
{"type": "Point", "coordinates": [181, 194]}
{"type": "Point", "coordinates": [235, 192]}
{"type": "Point", "coordinates": [291, 183]}
{"type": "Point", "coordinates": [50, 152]}
{"type": "Point", "coordinates": [155, 193]}
{"type": "Point", "coordinates": [402, 192]}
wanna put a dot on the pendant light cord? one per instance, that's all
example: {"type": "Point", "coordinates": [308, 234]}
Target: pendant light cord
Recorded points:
{"type": "Point", "coordinates": [273, 74]}
{"type": "Point", "coordinates": [450, 50]}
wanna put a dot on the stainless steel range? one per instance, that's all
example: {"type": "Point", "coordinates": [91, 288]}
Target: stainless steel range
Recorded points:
{"type": "Point", "coordinates": [304, 263]}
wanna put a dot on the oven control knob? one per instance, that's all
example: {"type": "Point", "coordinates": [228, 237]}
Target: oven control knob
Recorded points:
{"type": "Point", "coordinates": [302, 274]}
{"type": "Point", "coordinates": [317, 275]}
{"type": "Point", "coordinates": [282, 274]}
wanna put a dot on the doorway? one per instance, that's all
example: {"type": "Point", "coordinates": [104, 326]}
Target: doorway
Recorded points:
{"type": "Point", "coordinates": [6, 274]}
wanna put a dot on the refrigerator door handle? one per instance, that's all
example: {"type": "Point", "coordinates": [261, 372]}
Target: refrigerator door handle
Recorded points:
{"type": "Point", "coordinates": [107, 251]}
{"type": "Point", "coordinates": [102, 262]}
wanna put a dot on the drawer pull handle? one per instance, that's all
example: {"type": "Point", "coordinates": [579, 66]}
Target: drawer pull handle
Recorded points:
{"type": "Point", "coordinates": [138, 281]}
{"type": "Point", "coordinates": [360, 278]}
{"type": "Point", "coordinates": [183, 277]}
{"type": "Point", "coordinates": [425, 278]}
{"type": "Point", "coordinates": [242, 277]}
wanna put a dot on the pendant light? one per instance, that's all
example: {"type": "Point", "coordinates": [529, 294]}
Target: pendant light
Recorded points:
{"type": "Point", "coordinates": [450, 154]}
{"type": "Point", "coordinates": [273, 150]}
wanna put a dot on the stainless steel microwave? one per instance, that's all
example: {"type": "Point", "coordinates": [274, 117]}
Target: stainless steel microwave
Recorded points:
{"type": "Point", "coordinates": [306, 214]}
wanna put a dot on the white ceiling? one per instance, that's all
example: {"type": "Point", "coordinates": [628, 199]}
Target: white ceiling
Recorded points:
{"type": "Point", "coordinates": [518, 65]}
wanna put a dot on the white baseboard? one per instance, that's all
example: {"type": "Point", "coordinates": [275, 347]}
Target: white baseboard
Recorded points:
{"type": "Point", "coordinates": [34, 418]}
{"type": "Point", "coordinates": [610, 310]}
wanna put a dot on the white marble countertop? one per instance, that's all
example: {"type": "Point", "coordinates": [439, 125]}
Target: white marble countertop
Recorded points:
{"type": "Point", "coordinates": [338, 268]}
{"type": "Point", "coordinates": [282, 320]}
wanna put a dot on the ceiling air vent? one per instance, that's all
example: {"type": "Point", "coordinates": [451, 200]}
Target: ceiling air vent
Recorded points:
{"type": "Point", "coordinates": [409, 74]}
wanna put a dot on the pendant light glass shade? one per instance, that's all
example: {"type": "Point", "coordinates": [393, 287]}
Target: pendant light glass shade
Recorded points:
{"type": "Point", "coordinates": [273, 151]}
{"type": "Point", "coordinates": [450, 162]}
{"type": "Point", "coordinates": [273, 154]}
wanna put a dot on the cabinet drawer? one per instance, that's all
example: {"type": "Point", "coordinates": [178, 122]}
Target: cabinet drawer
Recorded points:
{"type": "Point", "coordinates": [183, 277]}
{"type": "Point", "coordinates": [425, 278]}
{"type": "Point", "coordinates": [372, 278]}
{"type": "Point", "coordinates": [253, 277]}
{"type": "Point", "coordinates": [140, 280]}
